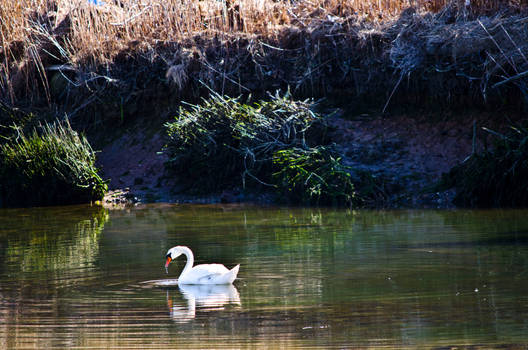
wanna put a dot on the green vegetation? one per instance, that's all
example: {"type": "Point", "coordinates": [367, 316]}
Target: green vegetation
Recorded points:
{"type": "Point", "coordinates": [224, 142]}
{"type": "Point", "coordinates": [53, 165]}
{"type": "Point", "coordinates": [494, 178]}
{"type": "Point", "coordinates": [313, 176]}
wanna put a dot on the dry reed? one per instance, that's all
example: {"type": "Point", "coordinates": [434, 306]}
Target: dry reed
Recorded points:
{"type": "Point", "coordinates": [39, 35]}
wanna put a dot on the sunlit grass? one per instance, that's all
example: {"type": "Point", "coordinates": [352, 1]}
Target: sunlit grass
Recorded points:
{"type": "Point", "coordinates": [79, 32]}
{"type": "Point", "coordinates": [54, 164]}
{"type": "Point", "coordinates": [103, 29]}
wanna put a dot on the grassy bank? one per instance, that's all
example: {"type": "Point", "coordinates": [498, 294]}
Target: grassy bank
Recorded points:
{"type": "Point", "coordinates": [277, 145]}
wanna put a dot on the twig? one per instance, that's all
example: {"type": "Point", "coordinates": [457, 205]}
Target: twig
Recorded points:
{"type": "Point", "coordinates": [278, 48]}
{"type": "Point", "coordinates": [510, 79]}
{"type": "Point", "coordinates": [514, 43]}
{"type": "Point", "coordinates": [130, 19]}
{"type": "Point", "coordinates": [225, 76]}
{"type": "Point", "coordinates": [474, 141]}
{"type": "Point", "coordinates": [392, 93]}
{"type": "Point", "coordinates": [497, 45]}
{"type": "Point", "coordinates": [246, 172]}
{"type": "Point", "coordinates": [504, 137]}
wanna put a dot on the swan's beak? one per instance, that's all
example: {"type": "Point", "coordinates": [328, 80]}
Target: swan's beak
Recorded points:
{"type": "Point", "coordinates": [169, 259]}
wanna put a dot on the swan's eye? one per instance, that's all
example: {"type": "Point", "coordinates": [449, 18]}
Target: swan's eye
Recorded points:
{"type": "Point", "coordinates": [168, 256]}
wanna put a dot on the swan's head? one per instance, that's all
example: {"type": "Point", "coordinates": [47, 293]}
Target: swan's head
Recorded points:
{"type": "Point", "coordinates": [172, 254]}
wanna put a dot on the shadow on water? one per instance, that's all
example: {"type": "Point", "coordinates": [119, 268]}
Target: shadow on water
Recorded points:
{"type": "Point", "coordinates": [505, 239]}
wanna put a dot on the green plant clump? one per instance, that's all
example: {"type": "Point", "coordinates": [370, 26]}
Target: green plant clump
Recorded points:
{"type": "Point", "coordinates": [494, 178]}
{"type": "Point", "coordinates": [53, 165]}
{"type": "Point", "coordinates": [224, 142]}
{"type": "Point", "coordinates": [313, 176]}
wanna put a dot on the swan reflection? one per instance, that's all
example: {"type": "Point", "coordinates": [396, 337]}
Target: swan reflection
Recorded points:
{"type": "Point", "coordinates": [202, 298]}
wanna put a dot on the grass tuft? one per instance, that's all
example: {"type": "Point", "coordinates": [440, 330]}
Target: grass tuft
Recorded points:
{"type": "Point", "coordinates": [223, 141]}
{"type": "Point", "coordinates": [313, 176]}
{"type": "Point", "coordinates": [52, 165]}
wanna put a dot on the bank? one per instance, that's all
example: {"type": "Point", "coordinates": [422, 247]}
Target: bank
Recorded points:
{"type": "Point", "coordinates": [407, 96]}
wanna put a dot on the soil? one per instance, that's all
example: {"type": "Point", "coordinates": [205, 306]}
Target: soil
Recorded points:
{"type": "Point", "coordinates": [133, 165]}
{"type": "Point", "coordinates": [410, 154]}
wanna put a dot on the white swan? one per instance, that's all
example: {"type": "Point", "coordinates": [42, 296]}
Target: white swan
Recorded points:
{"type": "Point", "coordinates": [200, 274]}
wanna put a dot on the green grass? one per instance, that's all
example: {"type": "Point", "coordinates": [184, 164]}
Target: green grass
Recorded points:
{"type": "Point", "coordinates": [313, 176]}
{"type": "Point", "coordinates": [276, 144]}
{"type": "Point", "coordinates": [52, 165]}
{"type": "Point", "coordinates": [224, 141]}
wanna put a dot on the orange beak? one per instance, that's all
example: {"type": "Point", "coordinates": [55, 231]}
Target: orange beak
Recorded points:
{"type": "Point", "coordinates": [169, 259]}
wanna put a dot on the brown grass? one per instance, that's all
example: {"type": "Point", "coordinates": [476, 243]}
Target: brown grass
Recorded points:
{"type": "Point", "coordinates": [101, 31]}
{"type": "Point", "coordinates": [38, 35]}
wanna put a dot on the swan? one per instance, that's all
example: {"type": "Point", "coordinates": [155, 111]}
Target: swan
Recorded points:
{"type": "Point", "coordinates": [200, 274]}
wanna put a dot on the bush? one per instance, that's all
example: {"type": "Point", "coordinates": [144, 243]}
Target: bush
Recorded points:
{"type": "Point", "coordinates": [494, 178]}
{"type": "Point", "coordinates": [224, 142]}
{"type": "Point", "coordinates": [54, 165]}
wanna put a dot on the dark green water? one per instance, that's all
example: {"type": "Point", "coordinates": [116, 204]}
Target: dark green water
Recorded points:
{"type": "Point", "coordinates": [74, 277]}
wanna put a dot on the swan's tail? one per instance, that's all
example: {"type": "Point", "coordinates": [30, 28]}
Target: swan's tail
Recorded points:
{"type": "Point", "coordinates": [233, 273]}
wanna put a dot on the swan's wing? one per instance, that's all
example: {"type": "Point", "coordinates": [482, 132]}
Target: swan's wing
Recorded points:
{"type": "Point", "coordinates": [209, 277]}
{"type": "Point", "coordinates": [210, 272]}
{"type": "Point", "coordinates": [204, 274]}
{"type": "Point", "coordinates": [209, 269]}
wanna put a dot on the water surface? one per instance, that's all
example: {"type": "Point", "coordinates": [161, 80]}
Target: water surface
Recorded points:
{"type": "Point", "coordinates": [85, 277]}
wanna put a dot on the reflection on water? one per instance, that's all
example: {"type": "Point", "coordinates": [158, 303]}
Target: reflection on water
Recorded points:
{"type": "Point", "coordinates": [44, 242]}
{"type": "Point", "coordinates": [72, 277]}
{"type": "Point", "coordinates": [204, 298]}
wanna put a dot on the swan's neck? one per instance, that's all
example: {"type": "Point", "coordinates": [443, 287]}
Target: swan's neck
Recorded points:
{"type": "Point", "coordinates": [190, 260]}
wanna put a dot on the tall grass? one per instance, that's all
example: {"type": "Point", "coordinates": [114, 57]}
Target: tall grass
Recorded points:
{"type": "Point", "coordinates": [36, 34]}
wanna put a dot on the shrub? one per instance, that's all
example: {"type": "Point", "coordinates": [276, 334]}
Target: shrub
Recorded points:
{"type": "Point", "coordinates": [53, 165]}
{"type": "Point", "coordinates": [224, 142]}
{"type": "Point", "coordinates": [279, 143]}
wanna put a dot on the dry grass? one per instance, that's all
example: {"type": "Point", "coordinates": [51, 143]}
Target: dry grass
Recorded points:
{"type": "Point", "coordinates": [38, 35]}
{"type": "Point", "coordinates": [100, 31]}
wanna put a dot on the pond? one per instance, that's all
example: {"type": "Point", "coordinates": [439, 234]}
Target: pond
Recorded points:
{"type": "Point", "coordinates": [84, 277]}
